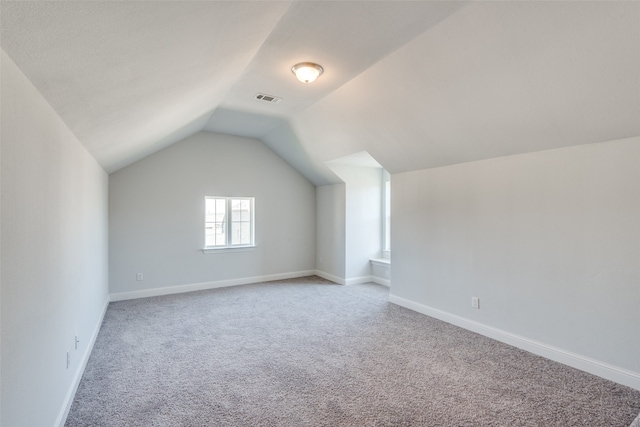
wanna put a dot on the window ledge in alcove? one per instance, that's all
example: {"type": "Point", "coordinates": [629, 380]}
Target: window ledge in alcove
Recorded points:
{"type": "Point", "coordinates": [382, 262]}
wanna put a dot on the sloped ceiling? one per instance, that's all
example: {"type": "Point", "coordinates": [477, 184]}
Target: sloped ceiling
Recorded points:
{"type": "Point", "coordinates": [416, 84]}
{"type": "Point", "coordinates": [494, 79]}
{"type": "Point", "coordinates": [126, 75]}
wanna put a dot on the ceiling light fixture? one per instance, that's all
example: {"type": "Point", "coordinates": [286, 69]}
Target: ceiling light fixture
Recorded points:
{"type": "Point", "coordinates": [307, 72]}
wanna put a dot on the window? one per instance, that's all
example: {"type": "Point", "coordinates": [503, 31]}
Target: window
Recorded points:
{"type": "Point", "coordinates": [386, 200]}
{"type": "Point", "coordinates": [229, 222]}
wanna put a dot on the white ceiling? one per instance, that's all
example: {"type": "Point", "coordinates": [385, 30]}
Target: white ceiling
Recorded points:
{"type": "Point", "coordinates": [124, 75]}
{"type": "Point", "coordinates": [344, 37]}
{"type": "Point", "coordinates": [494, 79]}
{"type": "Point", "coordinates": [416, 84]}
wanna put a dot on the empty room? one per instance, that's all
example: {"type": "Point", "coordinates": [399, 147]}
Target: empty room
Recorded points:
{"type": "Point", "coordinates": [319, 213]}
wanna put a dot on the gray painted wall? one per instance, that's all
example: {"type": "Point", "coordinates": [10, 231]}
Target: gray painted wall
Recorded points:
{"type": "Point", "coordinates": [549, 242]}
{"type": "Point", "coordinates": [156, 214]}
{"type": "Point", "coordinates": [363, 217]}
{"type": "Point", "coordinates": [330, 230]}
{"type": "Point", "coordinates": [54, 254]}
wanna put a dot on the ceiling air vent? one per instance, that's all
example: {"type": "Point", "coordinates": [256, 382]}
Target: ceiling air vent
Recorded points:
{"type": "Point", "coordinates": [268, 98]}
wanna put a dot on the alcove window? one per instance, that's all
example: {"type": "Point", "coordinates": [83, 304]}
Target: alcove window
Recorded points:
{"type": "Point", "coordinates": [229, 222]}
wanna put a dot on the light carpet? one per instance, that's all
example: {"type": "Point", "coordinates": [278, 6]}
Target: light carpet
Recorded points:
{"type": "Point", "coordinates": [307, 352]}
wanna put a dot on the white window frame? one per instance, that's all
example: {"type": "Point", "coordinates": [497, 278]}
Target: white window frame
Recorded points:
{"type": "Point", "coordinates": [228, 220]}
{"type": "Point", "coordinates": [386, 216]}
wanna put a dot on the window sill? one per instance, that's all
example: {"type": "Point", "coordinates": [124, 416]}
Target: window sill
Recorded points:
{"type": "Point", "coordinates": [228, 249]}
{"type": "Point", "coordinates": [383, 262]}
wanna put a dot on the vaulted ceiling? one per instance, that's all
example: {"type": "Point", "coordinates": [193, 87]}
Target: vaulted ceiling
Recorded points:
{"type": "Point", "coordinates": [417, 84]}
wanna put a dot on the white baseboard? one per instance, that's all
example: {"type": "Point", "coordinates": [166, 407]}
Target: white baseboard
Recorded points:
{"type": "Point", "coordinates": [595, 367]}
{"type": "Point", "coordinates": [381, 281]}
{"type": "Point", "coordinates": [331, 277]}
{"type": "Point", "coordinates": [154, 292]}
{"type": "Point", "coordinates": [358, 280]}
{"type": "Point", "coordinates": [353, 280]}
{"type": "Point", "coordinates": [68, 399]}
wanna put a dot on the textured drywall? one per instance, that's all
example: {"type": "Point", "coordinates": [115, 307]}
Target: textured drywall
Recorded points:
{"type": "Point", "coordinates": [54, 254]}
{"type": "Point", "coordinates": [549, 242]}
{"type": "Point", "coordinates": [156, 214]}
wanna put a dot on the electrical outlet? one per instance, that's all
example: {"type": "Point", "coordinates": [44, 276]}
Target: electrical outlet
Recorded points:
{"type": "Point", "coordinates": [475, 302]}
{"type": "Point", "coordinates": [139, 277]}
{"type": "Point", "coordinates": [68, 359]}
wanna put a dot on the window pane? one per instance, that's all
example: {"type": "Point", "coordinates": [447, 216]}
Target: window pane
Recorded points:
{"type": "Point", "coordinates": [215, 234]}
{"type": "Point", "coordinates": [235, 233]}
{"type": "Point", "coordinates": [229, 221]}
{"type": "Point", "coordinates": [387, 198]}
{"type": "Point", "coordinates": [241, 222]}
{"type": "Point", "coordinates": [387, 211]}
{"type": "Point", "coordinates": [221, 210]}
{"type": "Point", "coordinates": [210, 210]}
{"type": "Point", "coordinates": [245, 207]}
{"type": "Point", "coordinates": [215, 210]}
{"type": "Point", "coordinates": [209, 234]}
{"type": "Point", "coordinates": [245, 233]}
{"type": "Point", "coordinates": [220, 234]}
{"type": "Point", "coordinates": [215, 228]}
{"type": "Point", "coordinates": [236, 209]}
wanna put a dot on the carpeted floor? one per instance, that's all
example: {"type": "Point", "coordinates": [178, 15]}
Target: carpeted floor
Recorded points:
{"type": "Point", "coordinates": [306, 352]}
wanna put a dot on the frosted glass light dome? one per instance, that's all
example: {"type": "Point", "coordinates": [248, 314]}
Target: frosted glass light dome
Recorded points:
{"type": "Point", "coordinates": [307, 72]}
